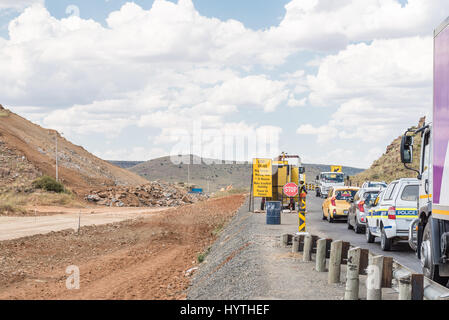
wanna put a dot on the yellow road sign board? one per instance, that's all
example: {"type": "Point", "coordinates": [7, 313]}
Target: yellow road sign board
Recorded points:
{"type": "Point", "coordinates": [262, 178]}
{"type": "Point", "coordinates": [336, 169]}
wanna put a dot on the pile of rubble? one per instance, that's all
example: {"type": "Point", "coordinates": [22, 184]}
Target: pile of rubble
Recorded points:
{"type": "Point", "coordinates": [153, 194]}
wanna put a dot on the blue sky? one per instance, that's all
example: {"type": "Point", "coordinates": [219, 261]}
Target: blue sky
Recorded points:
{"type": "Point", "coordinates": [334, 82]}
{"type": "Point", "coordinates": [254, 14]}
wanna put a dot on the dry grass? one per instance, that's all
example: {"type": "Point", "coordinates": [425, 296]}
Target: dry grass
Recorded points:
{"type": "Point", "coordinates": [389, 166]}
{"type": "Point", "coordinates": [15, 203]}
{"type": "Point", "coordinates": [221, 194]}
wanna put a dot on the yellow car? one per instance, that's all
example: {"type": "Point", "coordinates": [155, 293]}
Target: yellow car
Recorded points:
{"type": "Point", "coordinates": [337, 203]}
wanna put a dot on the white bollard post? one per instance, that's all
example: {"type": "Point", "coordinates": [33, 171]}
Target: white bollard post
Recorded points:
{"type": "Point", "coordinates": [374, 279]}
{"type": "Point", "coordinates": [307, 254]}
{"type": "Point", "coordinates": [321, 255]}
{"type": "Point", "coordinates": [284, 240]}
{"type": "Point", "coordinates": [335, 262]}
{"type": "Point", "coordinates": [295, 244]}
{"type": "Point", "coordinates": [352, 274]}
{"type": "Point", "coordinates": [405, 287]}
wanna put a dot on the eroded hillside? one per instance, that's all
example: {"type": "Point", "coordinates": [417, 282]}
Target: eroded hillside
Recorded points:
{"type": "Point", "coordinates": [389, 166]}
{"type": "Point", "coordinates": [28, 151]}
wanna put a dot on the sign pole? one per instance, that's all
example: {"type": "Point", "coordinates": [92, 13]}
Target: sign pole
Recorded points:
{"type": "Point", "coordinates": [251, 189]}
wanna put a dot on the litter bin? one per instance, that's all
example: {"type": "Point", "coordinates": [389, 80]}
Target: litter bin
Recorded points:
{"type": "Point", "coordinates": [273, 212]}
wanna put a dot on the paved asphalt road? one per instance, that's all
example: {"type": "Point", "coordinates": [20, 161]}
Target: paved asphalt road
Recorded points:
{"type": "Point", "coordinates": [401, 252]}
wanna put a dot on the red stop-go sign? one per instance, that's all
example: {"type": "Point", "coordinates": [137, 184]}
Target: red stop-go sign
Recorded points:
{"type": "Point", "coordinates": [291, 189]}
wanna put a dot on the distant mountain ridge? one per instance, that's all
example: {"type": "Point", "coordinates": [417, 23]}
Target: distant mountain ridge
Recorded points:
{"type": "Point", "coordinates": [211, 174]}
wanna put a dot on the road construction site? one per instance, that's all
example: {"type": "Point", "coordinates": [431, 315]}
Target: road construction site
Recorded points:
{"type": "Point", "coordinates": [248, 262]}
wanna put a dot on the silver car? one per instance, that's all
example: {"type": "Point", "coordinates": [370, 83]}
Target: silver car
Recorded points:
{"type": "Point", "coordinates": [374, 184]}
{"type": "Point", "coordinates": [358, 210]}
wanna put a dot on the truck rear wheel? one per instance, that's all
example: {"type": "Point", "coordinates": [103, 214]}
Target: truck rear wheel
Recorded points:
{"type": "Point", "coordinates": [358, 228]}
{"type": "Point", "coordinates": [350, 227]}
{"type": "Point", "coordinates": [369, 237]}
{"type": "Point", "coordinates": [429, 269]}
{"type": "Point", "coordinates": [385, 243]}
{"type": "Point", "coordinates": [329, 217]}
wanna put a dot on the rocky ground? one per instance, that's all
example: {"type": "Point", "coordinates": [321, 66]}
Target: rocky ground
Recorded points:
{"type": "Point", "coordinates": [16, 172]}
{"type": "Point", "coordinates": [147, 258]}
{"type": "Point", "coordinates": [153, 194]}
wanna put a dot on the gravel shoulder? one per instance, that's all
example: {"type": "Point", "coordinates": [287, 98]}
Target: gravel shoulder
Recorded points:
{"type": "Point", "coordinates": [247, 262]}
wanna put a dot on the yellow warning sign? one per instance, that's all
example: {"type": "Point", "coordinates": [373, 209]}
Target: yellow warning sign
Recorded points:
{"type": "Point", "coordinates": [336, 169]}
{"type": "Point", "coordinates": [262, 178]}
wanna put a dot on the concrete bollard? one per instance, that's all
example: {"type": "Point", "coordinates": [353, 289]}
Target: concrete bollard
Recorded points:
{"type": "Point", "coordinates": [374, 279]}
{"type": "Point", "coordinates": [417, 282]}
{"type": "Point", "coordinates": [295, 244]}
{"type": "Point", "coordinates": [321, 255]}
{"type": "Point", "coordinates": [307, 254]}
{"type": "Point", "coordinates": [284, 240]}
{"type": "Point", "coordinates": [352, 274]}
{"type": "Point", "coordinates": [405, 287]}
{"type": "Point", "coordinates": [335, 262]}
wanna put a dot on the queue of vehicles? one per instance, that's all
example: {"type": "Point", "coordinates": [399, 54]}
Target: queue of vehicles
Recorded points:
{"type": "Point", "coordinates": [416, 210]}
{"type": "Point", "coordinates": [379, 210]}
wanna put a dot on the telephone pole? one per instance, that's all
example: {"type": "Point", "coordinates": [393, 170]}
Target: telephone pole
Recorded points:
{"type": "Point", "coordinates": [56, 155]}
{"type": "Point", "coordinates": [56, 141]}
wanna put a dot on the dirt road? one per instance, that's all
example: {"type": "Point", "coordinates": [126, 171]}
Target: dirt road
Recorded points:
{"type": "Point", "coordinates": [145, 258]}
{"type": "Point", "coordinates": [17, 227]}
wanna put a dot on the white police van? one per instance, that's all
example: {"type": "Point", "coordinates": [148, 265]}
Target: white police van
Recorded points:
{"type": "Point", "coordinates": [394, 211]}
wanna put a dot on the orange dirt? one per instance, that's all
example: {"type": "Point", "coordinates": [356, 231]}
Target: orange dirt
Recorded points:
{"type": "Point", "coordinates": [141, 259]}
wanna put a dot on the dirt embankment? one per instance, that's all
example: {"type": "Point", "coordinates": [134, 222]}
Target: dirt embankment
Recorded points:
{"type": "Point", "coordinates": [389, 166]}
{"type": "Point", "coordinates": [140, 259]}
{"type": "Point", "coordinates": [29, 150]}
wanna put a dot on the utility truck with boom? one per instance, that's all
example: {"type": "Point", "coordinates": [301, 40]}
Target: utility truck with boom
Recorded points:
{"type": "Point", "coordinates": [431, 241]}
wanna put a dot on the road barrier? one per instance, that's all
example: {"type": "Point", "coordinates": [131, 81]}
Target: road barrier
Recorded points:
{"type": "Point", "coordinates": [335, 262]}
{"type": "Point", "coordinates": [374, 280]}
{"type": "Point", "coordinates": [352, 274]}
{"type": "Point", "coordinates": [381, 271]}
{"type": "Point", "coordinates": [320, 265]}
{"type": "Point", "coordinates": [307, 252]}
{"type": "Point", "coordinates": [310, 186]}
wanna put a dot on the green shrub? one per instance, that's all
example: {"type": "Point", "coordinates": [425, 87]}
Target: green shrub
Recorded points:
{"type": "Point", "coordinates": [49, 184]}
{"type": "Point", "coordinates": [202, 256]}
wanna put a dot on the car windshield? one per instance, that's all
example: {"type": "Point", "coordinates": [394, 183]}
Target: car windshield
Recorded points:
{"type": "Point", "coordinates": [345, 194]}
{"type": "Point", "coordinates": [333, 177]}
{"type": "Point", "coordinates": [370, 196]}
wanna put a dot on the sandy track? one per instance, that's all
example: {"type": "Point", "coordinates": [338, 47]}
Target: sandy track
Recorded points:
{"type": "Point", "coordinates": [17, 227]}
